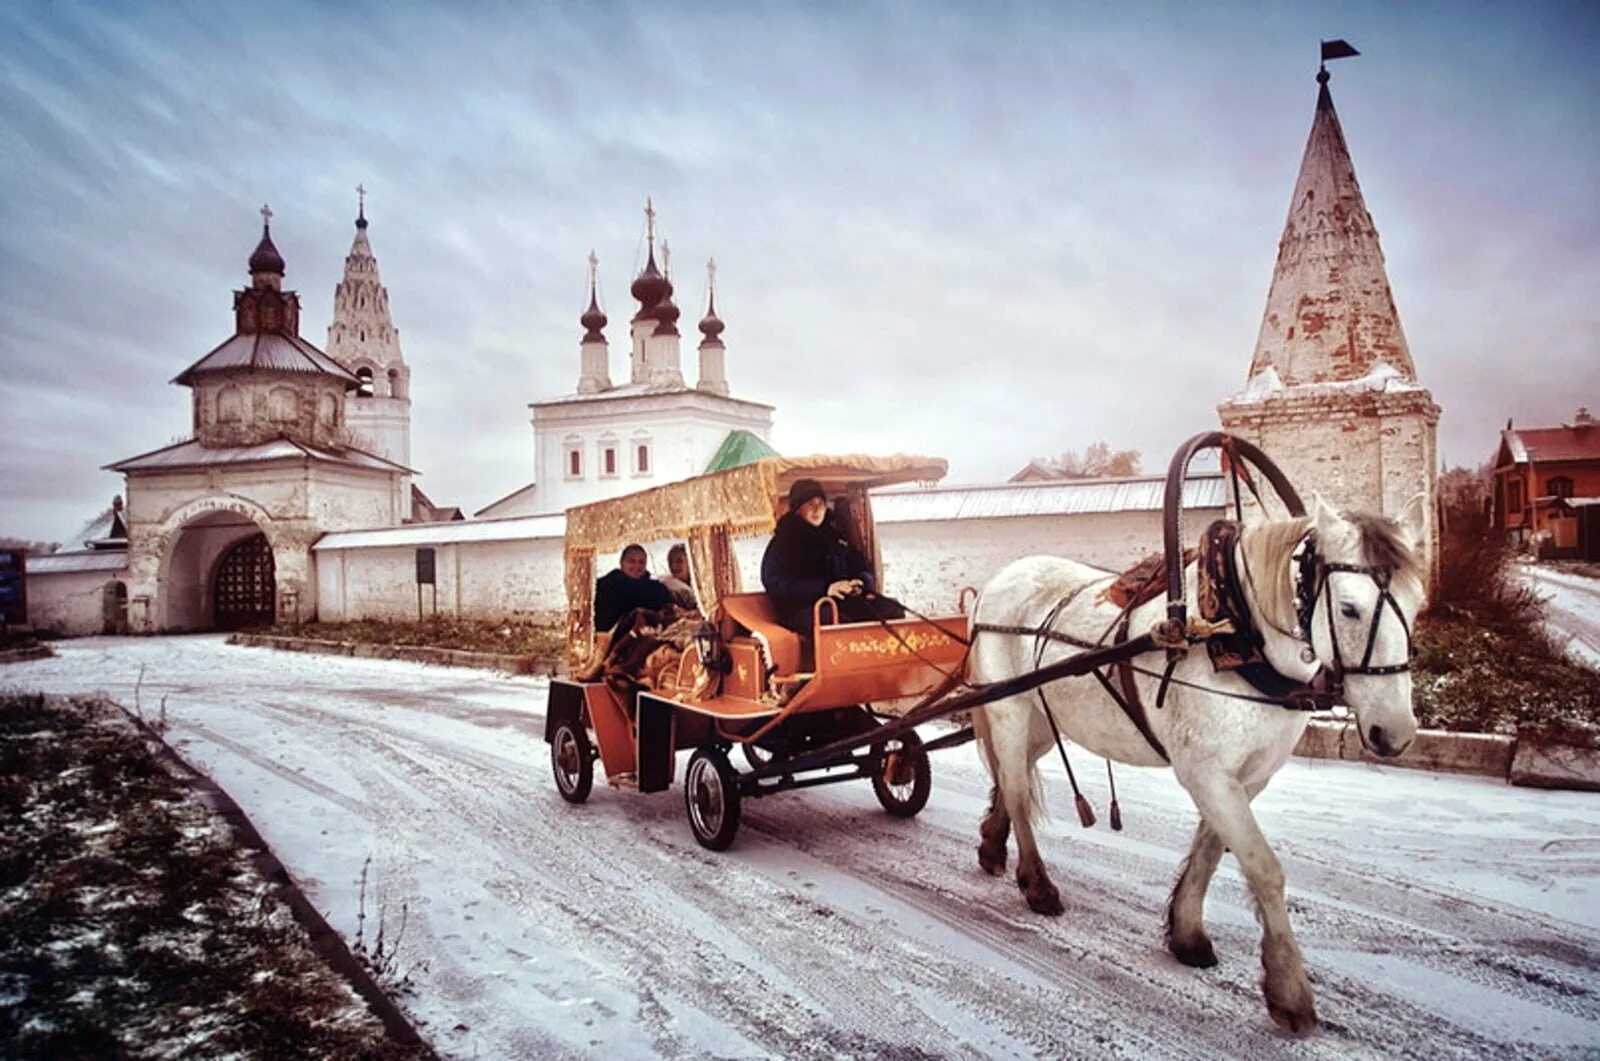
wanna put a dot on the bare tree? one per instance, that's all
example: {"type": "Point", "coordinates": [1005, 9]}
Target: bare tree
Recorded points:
{"type": "Point", "coordinates": [1097, 460]}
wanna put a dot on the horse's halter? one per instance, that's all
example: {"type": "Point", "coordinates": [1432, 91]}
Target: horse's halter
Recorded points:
{"type": "Point", "coordinates": [1311, 582]}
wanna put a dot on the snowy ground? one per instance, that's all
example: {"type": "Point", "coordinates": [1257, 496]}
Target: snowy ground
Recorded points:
{"type": "Point", "coordinates": [1572, 603]}
{"type": "Point", "coordinates": [1440, 916]}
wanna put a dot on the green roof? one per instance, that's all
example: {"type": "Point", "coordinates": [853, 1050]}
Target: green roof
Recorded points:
{"type": "Point", "coordinates": [739, 448]}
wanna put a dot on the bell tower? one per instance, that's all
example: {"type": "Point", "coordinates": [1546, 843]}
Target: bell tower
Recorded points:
{"type": "Point", "coordinates": [1332, 394]}
{"type": "Point", "coordinates": [364, 339]}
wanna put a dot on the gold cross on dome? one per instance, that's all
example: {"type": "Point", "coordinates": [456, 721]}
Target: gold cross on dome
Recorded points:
{"type": "Point", "coordinates": [649, 220]}
{"type": "Point", "coordinates": [362, 192]}
{"type": "Point", "coordinates": [266, 215]}
{"type": "Point", "coordinates": [594, 267]}
{"type": "Point", "coordinates": [711, 273]}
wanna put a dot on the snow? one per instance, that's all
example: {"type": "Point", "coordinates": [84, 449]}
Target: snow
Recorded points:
{"type": "Point", "coordinates": [1572, 605]}
{"type": "Point", "coordinates": [1266, 384]}
{"type": "Point", "coordinates": [1440, 915]}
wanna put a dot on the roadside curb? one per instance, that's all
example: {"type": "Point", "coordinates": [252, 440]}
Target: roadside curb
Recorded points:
{"type": "Point", "coordinates": [22, 655]}
{"type": "Point", "coordinates": [444, 657]}
{"type": "Point", "coordinates": [1522, 761]}
{"type": "Point", "coordinates": [326, 941]}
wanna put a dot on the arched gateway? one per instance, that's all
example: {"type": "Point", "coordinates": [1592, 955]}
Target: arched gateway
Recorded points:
{"type": "Point", "coordinates": [244, 590]}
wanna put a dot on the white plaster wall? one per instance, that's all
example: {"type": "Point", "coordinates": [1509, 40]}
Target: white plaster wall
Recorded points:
{"type": "Point", "coordinates": [926, 564]}
{"type": "Point", "coordinates": [484, 579]}
{"type": "Point", "coordinates": [71, 603]}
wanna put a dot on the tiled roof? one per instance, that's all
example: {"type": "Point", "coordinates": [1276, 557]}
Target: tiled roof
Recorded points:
{"type": "Point", "coordinates": [516, 528]}
{"type": "Point", "coordinates": [1553, 444]}
{"type": "Point", "coordinates": [66, 563]}
{"type": "Point", "coordinates": [1064, 497]}
{"type": "Point", "coordinates": [276, 351]}
{"type": "Point", "coordinates": [192, 454]}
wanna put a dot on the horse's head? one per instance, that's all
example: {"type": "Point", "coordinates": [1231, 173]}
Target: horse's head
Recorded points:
{"type": "Point", "coordinates": [1363, 594]}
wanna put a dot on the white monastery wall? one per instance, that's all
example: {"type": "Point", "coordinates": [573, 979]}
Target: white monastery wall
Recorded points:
{"type": "Point", "coordinates": [70, 603]}
{"type": "Point", "coordinates": [483, 579]}
{"type": "Point", "coordinates": [927, 564]}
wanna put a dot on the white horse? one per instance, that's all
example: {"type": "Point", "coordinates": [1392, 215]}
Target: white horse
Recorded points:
{"type": "Point", "coordinates": [1357, 603]}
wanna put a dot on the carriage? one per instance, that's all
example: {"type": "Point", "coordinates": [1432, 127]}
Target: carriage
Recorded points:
{"type": "Point", "coordinates": [743, 679]}
{"type": "Point", "coordinates": [1293, 614]}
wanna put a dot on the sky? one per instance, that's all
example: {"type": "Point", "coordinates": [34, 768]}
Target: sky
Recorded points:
{"type": "Point", "coordinates": [988, 232]}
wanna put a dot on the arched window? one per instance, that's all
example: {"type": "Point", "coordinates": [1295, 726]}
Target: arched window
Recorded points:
{"type": "Point", "coordinates": [283, 405]}
{"type": "Point", "coordinates": [328, 409]}
{"type": "Point", "coordinates": [230, 405]}
{"type": "Point", "coordinates": [572, 457]}
{"type": "Point", "coordinates": [396, 388]}
{"type": "Point", "coordinates": [364, 374]}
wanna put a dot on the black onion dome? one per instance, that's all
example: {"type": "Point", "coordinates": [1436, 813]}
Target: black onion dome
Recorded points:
{"type": "Point", "coordinates": [667, 311]}
{"type": "Point", "coordinates": [650, 287]}
{"type": "Point", "coordinates": [361, 216]}
{"type": "Point", "coordinates": [711, 325]}
{"type": "Point", "coordinates": [593, 320]}
{"type": "Point", "coordinates": [266, 258]}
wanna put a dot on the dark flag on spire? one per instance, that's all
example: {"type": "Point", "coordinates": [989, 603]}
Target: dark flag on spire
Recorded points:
{"type": "Point", "coordinates": [1337, 50]}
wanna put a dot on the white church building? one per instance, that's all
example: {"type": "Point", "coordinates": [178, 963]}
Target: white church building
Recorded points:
{"type": "Point", "coordinates": [293, 501]}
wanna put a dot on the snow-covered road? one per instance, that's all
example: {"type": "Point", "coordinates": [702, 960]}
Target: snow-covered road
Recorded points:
{"type": "Point", "coordinates": [1572, 606]}
{"type": "Point", "coordinates": [1440, 916]}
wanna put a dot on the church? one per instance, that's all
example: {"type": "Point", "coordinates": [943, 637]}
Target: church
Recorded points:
{"type": "Point", "coordinates": [293, 500]}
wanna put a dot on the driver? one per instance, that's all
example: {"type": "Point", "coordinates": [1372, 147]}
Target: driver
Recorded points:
{"type": "Point", "coordinates": [809, 558]}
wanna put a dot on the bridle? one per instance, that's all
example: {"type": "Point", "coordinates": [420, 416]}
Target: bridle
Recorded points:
{"type": "Point", "coordinates": [1312, 582]}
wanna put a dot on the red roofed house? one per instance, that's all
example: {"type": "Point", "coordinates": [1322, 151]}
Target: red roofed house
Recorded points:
{"type": "Point", "coordinates": [1547, 482]}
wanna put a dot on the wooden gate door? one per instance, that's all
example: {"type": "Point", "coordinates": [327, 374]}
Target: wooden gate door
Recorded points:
{"type": "Point", "coordinates": [246, 586]}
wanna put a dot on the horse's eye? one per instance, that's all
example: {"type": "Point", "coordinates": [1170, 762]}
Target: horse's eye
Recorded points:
{"type": "Point", "coordinates": [1349, 611]}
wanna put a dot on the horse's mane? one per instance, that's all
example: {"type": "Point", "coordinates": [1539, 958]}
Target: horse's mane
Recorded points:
{"type": "Point", "coordinates": [1384, 546]}
{"type": "Point", "coordinates": [1268, 548]}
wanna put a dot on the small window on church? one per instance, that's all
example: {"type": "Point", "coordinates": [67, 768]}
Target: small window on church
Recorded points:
{"type": "Point", "coordinates": [230, 405]}
{"type": "Point", "coordinates": [364, 374]}
{"type": "Point", "coordinates": [574, 462]}
{"type": "Point", "coordinates": [608, 461]}
{"type": "Point", "coordinates": [642, 458]}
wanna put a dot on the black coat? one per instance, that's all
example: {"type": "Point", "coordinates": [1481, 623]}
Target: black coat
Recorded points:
{"type": "Point", "coordinates": [802, 561]}
{"type": "Point", "coordinates": [616, 595]}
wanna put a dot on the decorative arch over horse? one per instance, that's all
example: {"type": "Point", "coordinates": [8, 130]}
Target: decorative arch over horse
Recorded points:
{"type": "Point", "coordinates": [1324, 603]}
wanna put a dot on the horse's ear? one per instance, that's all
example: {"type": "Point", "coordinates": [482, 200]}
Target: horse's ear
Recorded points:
{"type": "Point", "coordinates": [1413, 519]}
{"type": "Point", "coordinates": [1323, 517]}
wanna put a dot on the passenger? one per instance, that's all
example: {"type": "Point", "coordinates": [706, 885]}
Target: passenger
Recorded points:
{"type": "Point", "coordinates": [677, 580]}
{"type": "Point", "coordinates": [809, 558]}
{"type": "Point", "coordinates": [626, 588]}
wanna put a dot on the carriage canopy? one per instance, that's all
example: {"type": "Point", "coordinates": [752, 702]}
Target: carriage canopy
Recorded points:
{"type": "Point", "coordinates": [709, 511]}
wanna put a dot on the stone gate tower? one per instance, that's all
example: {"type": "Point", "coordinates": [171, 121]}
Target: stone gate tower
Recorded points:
{"type": "Point", "coordinates": [364, 339]}
{"type": "Point", "coordinates": [1332, 394]}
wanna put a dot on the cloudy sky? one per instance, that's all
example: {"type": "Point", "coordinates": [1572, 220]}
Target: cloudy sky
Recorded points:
{"type": "Point", "coordinates": [985, 231]}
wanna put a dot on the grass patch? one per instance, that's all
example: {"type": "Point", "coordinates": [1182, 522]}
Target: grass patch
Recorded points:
{"type": "Point", "coordinates": [516, 636]}
{"type": "Point", "coordinates": [1485, 662]}
{"type": "Point", "coordinates": [131, 925]}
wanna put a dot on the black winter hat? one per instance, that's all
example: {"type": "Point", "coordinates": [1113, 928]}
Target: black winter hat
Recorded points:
{"type": "Point", "coordinates": [804, 490]}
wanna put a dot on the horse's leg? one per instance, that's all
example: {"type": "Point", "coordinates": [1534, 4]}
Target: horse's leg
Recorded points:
{"type": "Point", "coordinates": [1186, 930]}
{"type": "Point", "coordinates": [996, 828]}
{"type": "Point", "coordinates": [1225, 805]}
{"type": "Point", "coordinates": [1015, 750]}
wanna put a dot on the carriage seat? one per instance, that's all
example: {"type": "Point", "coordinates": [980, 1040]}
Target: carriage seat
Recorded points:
{"type": "Point", "coordinates": [755, 613]}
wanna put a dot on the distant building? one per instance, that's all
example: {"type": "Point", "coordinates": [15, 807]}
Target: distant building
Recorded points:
{"type": "Point", "coordinates": [220, 526]}
{"type": "Point", "coordinates": [608, 439]}
{"type": "Point", "coordinates": [1332, 394]}
{"type": "Point", "coordinates": [1547, 487]}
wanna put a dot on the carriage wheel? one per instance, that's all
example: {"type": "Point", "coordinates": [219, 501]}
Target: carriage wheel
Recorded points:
{"type": "Point", "coordinates": [755, 755]}
{"type": "Point", "coordinates": [711, 795]}
{"type": "Point", "coordinates": [572, 761]}
{"type": "Point", "coordinates": [906, 777]}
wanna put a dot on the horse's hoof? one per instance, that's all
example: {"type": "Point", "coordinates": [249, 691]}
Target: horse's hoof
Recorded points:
{"type": "Point", "coordinates": [1301, 1020]}
{"type": "Point", "coordinates": [1197, 954]}
{"type": "Point", "coordinates": [992, 864]}
{"type": "Point", "coordinates": [1042, 898]}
